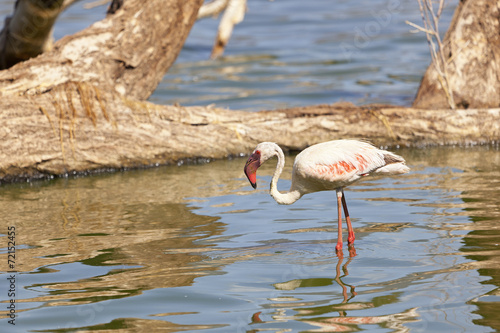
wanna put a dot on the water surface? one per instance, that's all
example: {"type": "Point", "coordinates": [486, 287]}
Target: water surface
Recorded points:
{"type": "Point", "coordinates": [296, 53]}
{"type": "Point", "coordinates": [195, 248]}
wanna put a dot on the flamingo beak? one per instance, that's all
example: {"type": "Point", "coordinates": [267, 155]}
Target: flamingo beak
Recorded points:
{"type": "Point", "coordinates": [253, 163]}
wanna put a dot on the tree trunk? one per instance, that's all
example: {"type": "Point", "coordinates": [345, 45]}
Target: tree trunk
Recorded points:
{"type": "Point", "coordinates": [28, 33]}
{"type": "Point", "coordinates": [127, 52]}
{"type": "Point", "coordinates": [81, 107]}
{"type": "Point", "coordinates": [105, 130]}
{"type": "Point", "coordinates": [472, 51]}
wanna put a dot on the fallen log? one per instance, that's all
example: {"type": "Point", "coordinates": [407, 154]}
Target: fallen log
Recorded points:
{"type": "Point", "coordinates": [81, 106]}
{"type": "Point", "coordinates": [108, 131]}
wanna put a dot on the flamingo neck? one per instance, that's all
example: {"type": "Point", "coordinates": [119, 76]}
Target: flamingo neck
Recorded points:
{"type": "Point", "coordinates": [286, 198]}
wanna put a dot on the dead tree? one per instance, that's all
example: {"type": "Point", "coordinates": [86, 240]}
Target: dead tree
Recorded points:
{"type": "Point", "coordinates": [82, 106]}
{"type": "Point", "coordinates": [471, 58]}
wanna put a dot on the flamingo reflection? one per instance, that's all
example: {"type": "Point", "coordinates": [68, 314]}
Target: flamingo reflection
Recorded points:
{"type": "Point", "coordinates": [323, 316]}
{"type": "Point", "coordinates": [345, 272]}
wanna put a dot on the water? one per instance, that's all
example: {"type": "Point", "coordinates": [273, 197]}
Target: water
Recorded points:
{"type": "Point", "coordinates": [293, 53]}
{"type": "Point", "coordinates": [195, 248]}
{"type": "Point", "coordinates": [296, 53]}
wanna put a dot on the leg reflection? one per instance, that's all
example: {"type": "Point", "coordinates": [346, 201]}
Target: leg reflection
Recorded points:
{"type": "Point", "coordinates": [344, 273]}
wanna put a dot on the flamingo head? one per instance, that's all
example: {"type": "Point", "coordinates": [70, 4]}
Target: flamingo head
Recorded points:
{"type": "Point", "coordinates": [263, 152]}
{"type": "Point", "coordinates": [253, 163]}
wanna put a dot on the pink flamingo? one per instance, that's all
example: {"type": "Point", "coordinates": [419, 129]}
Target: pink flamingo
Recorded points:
{"type": "Point", "coordinates": [326, 166]}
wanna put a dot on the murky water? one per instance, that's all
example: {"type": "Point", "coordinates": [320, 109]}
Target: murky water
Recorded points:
{"type": "Point", "coordinates": [195, 248]}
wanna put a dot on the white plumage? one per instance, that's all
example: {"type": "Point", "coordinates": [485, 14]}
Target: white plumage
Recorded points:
{"type": "Point", "coordinates": [325, 166]}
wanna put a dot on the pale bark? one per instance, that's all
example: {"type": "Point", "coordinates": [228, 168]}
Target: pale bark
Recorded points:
{"type": "Point", "coordinates": [128, 52]}
{"type": "Point", "coordinates": [472, 55]}
{"type": "Point", "coordinates": [234, 13]}
{"type": "Point", "coordinates": [112, 131]}
{"type": "Point", "coordinates": [81, 107]}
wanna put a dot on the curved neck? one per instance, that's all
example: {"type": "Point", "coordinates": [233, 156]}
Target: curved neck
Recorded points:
{"type": "Point", "coordinates": [286, 198]}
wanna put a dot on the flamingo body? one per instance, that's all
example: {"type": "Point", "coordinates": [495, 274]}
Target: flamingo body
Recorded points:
{"type": "Point", "coordinates": [326, 166]}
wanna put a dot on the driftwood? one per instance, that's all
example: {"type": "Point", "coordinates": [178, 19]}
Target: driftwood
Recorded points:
{"type": "Point", "coordinates": [471, 50]}
{"type": "Point", "coordinates": [127, 52]}
{"type": "Point", "coordinates": [81, 107]}
{"type": "Point", "coordinates": [82, 135]}
{"type": "Point", "coordinates": [234, 12]}
{"type": "Point", "coordinates": [28, 32]}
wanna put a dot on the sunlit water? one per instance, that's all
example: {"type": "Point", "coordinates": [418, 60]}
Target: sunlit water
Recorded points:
{"type": "Point", "coordinates": [294, 53]}
{"type": "Point", "coordinates": [195, 248]}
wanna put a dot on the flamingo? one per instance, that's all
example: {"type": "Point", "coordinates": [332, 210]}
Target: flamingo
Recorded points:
{"type": "Point", "coordinates": [326, 166]}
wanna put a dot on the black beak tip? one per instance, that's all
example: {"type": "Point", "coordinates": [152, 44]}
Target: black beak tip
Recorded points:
{"type": "Point", "coordinates": [254, 185]}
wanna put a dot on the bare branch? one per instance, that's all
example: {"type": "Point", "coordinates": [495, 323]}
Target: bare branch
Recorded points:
{"type": "Point", "coordinates": [28, 32]}
{"type": "Point", "coordinates": [212, 8]}
{"type": "Point", "coordinates": [234, 12]}
{"type": "Point", "coordinates": [419, 28]}
{"type": "Point", "coordinates": [440, 9]}
{"type": "Point", "coordinates": [96, 3]}
{"type": "Point", "coordinates": [430, 20]}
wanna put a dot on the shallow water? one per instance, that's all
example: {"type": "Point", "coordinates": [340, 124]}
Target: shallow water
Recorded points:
{"type": "Point", "coordinates": [194, 248]}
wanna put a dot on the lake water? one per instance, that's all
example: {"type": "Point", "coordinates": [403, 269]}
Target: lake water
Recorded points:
{"type": "Point", "coordinates": [194, 248]}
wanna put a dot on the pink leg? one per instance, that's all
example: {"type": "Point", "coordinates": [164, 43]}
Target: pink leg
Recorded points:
{"type": "Point", "coordinates": [339, 209]}
{"type": "Point", "coordinates": [350, 237]}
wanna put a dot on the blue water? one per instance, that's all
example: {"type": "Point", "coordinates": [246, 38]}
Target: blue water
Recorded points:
{"type": "Point", "coordinates": [196, 248]}
{"type": "Point", "coordinates": [295, 53]}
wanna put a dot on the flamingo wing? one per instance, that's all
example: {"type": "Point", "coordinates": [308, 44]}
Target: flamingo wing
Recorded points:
{"type": "Point", "coordinates": [338, 163]}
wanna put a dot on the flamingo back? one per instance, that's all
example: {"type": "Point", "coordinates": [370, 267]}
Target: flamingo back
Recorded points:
{"type": "Point", "coordinates": [334, 164]}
